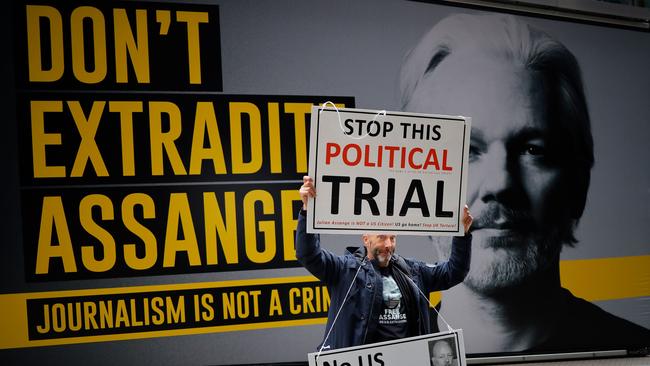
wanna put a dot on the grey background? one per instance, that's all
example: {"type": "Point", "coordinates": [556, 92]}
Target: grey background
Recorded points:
{"type": "Point", "coordinates": [354, 48]}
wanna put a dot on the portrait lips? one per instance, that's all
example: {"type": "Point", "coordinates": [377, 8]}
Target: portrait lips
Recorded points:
{"type": "Point", "coordinates": [501, 226]}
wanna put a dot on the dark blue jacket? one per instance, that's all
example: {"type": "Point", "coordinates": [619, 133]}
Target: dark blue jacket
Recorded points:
{"type": "Point", "coordinates": [359, 316]}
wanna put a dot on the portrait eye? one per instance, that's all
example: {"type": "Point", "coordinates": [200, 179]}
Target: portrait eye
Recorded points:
{"type": "Point", "coordinates": [474, 152]}
{"type": "Point", "coordinates": [532, 149]}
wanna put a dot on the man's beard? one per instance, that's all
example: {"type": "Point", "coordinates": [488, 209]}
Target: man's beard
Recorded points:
{"type": "Point", "coordinates": [382, 258]}
{"type": "Point", "coordinates": [494, 270]}
{"type": "Point", "coordinates": [502, 263]}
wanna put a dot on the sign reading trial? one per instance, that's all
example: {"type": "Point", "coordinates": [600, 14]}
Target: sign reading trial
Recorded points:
{"type": "Point", "coordinates": [378, 171]}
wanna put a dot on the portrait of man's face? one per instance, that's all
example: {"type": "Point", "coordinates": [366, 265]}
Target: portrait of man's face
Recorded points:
{"type": "Point", "coordinates": [514, 180]}
{"type": "Point", "coordinates": [442, 354]}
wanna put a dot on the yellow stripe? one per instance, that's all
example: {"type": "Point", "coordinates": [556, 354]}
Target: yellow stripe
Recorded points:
{"type": "Point", "coordinates": [600, 279]}
{"type": "Point", "coordinates": [169, 287]}
{"type": "Point", "coordinates": [24, 343]}
{"type": "Point", "coordinates": [13, 321]}
{"type": "Point", "coordinates": [434, 298]}
{"type": "Point", "coordinates": [607, 278]}
{"type": "Point", "coordinates": [14, 328]}
{"type": "Point", "coordinates": [591, 279]}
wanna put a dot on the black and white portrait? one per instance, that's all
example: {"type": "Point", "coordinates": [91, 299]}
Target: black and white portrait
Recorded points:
{"type": "Point", "coordinates": [530, 161]}
{"type": "Point", "coordinates": [443, 352]}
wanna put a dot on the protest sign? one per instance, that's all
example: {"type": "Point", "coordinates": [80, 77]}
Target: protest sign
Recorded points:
{"type": "Point", "coordinates": [445, 348]}
{"type": "Point", "coordinates": [378, 171]}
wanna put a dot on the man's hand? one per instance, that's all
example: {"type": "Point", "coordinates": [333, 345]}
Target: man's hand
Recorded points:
{"type": "Point", "coordinates": [467, 218]}
{"type": "Point", "coordinates": [307, 190]}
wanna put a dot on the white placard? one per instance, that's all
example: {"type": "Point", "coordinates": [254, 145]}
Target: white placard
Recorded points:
{"type": "Point", "coordinates": [378, 171]}
{"type": "Point", "coordinates": [447, 347]}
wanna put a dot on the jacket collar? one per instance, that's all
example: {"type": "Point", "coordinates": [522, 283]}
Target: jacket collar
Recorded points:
{"type": "Point", "coordinates": [357, 252]}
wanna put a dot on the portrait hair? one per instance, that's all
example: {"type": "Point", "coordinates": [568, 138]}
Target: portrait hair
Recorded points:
{"type": "Point", "coordinates": [509, 39]}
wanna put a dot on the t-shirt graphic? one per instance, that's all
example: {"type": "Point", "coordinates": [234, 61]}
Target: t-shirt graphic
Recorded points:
{"type": "Point", "coordinates": [392, 319]}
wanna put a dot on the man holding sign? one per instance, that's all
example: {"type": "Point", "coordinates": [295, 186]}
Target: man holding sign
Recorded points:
{"type": "Point", "coordinates": [377, 295]}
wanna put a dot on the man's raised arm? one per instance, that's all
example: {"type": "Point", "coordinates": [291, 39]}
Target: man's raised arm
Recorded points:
{"type": "Point", "coordinates": [319, 262]}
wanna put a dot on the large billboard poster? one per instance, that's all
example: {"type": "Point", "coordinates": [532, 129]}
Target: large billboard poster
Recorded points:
{"type": "Point", "coordinates": [153, 151]}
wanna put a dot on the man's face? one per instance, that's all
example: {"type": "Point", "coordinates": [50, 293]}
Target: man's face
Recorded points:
{"type": "Point", "coordinates": [380, 247]}
{"type": "Point", "coordinates": [514, 177]}
{"type": "Point", "coordinates": [442, 354]}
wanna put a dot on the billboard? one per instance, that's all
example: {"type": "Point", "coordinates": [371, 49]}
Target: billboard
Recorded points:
{"type": "Point", "coordinates": [153, 152]}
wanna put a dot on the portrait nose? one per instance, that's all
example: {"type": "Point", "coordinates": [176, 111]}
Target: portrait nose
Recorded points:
{"type": "Point", "coordinates": [496, 174]}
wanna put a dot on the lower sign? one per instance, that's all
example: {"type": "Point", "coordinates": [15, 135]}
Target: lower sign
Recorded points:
{"type": "Point", "coordinates": [445, 348]}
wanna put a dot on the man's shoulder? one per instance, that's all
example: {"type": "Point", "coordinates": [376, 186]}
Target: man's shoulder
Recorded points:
{"type": "Point", "coordinates": [415, 266]}
{"type": "Point", "coordinates": [410, 262]}
{"type": "Point", "coordinates": [585, 313]}
{"type": "Point", "coordinates": [416, 263]}
{"type": "Point", "coordinates": [586, 325]}
{"type": "Point", "coordinates": [352, 256]}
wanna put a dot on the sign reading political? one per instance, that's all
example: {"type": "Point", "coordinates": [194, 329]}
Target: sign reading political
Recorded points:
{"type": "Point", "coordinates": [378, 171]}
{"type": "Point", "coordinates": [445, 348]}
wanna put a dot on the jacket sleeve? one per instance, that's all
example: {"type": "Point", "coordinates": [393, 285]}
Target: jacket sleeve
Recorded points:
{"type": "Point", "coordinates": [444, 275]}
{"type": "Point", "coordinates": [318, 261]}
